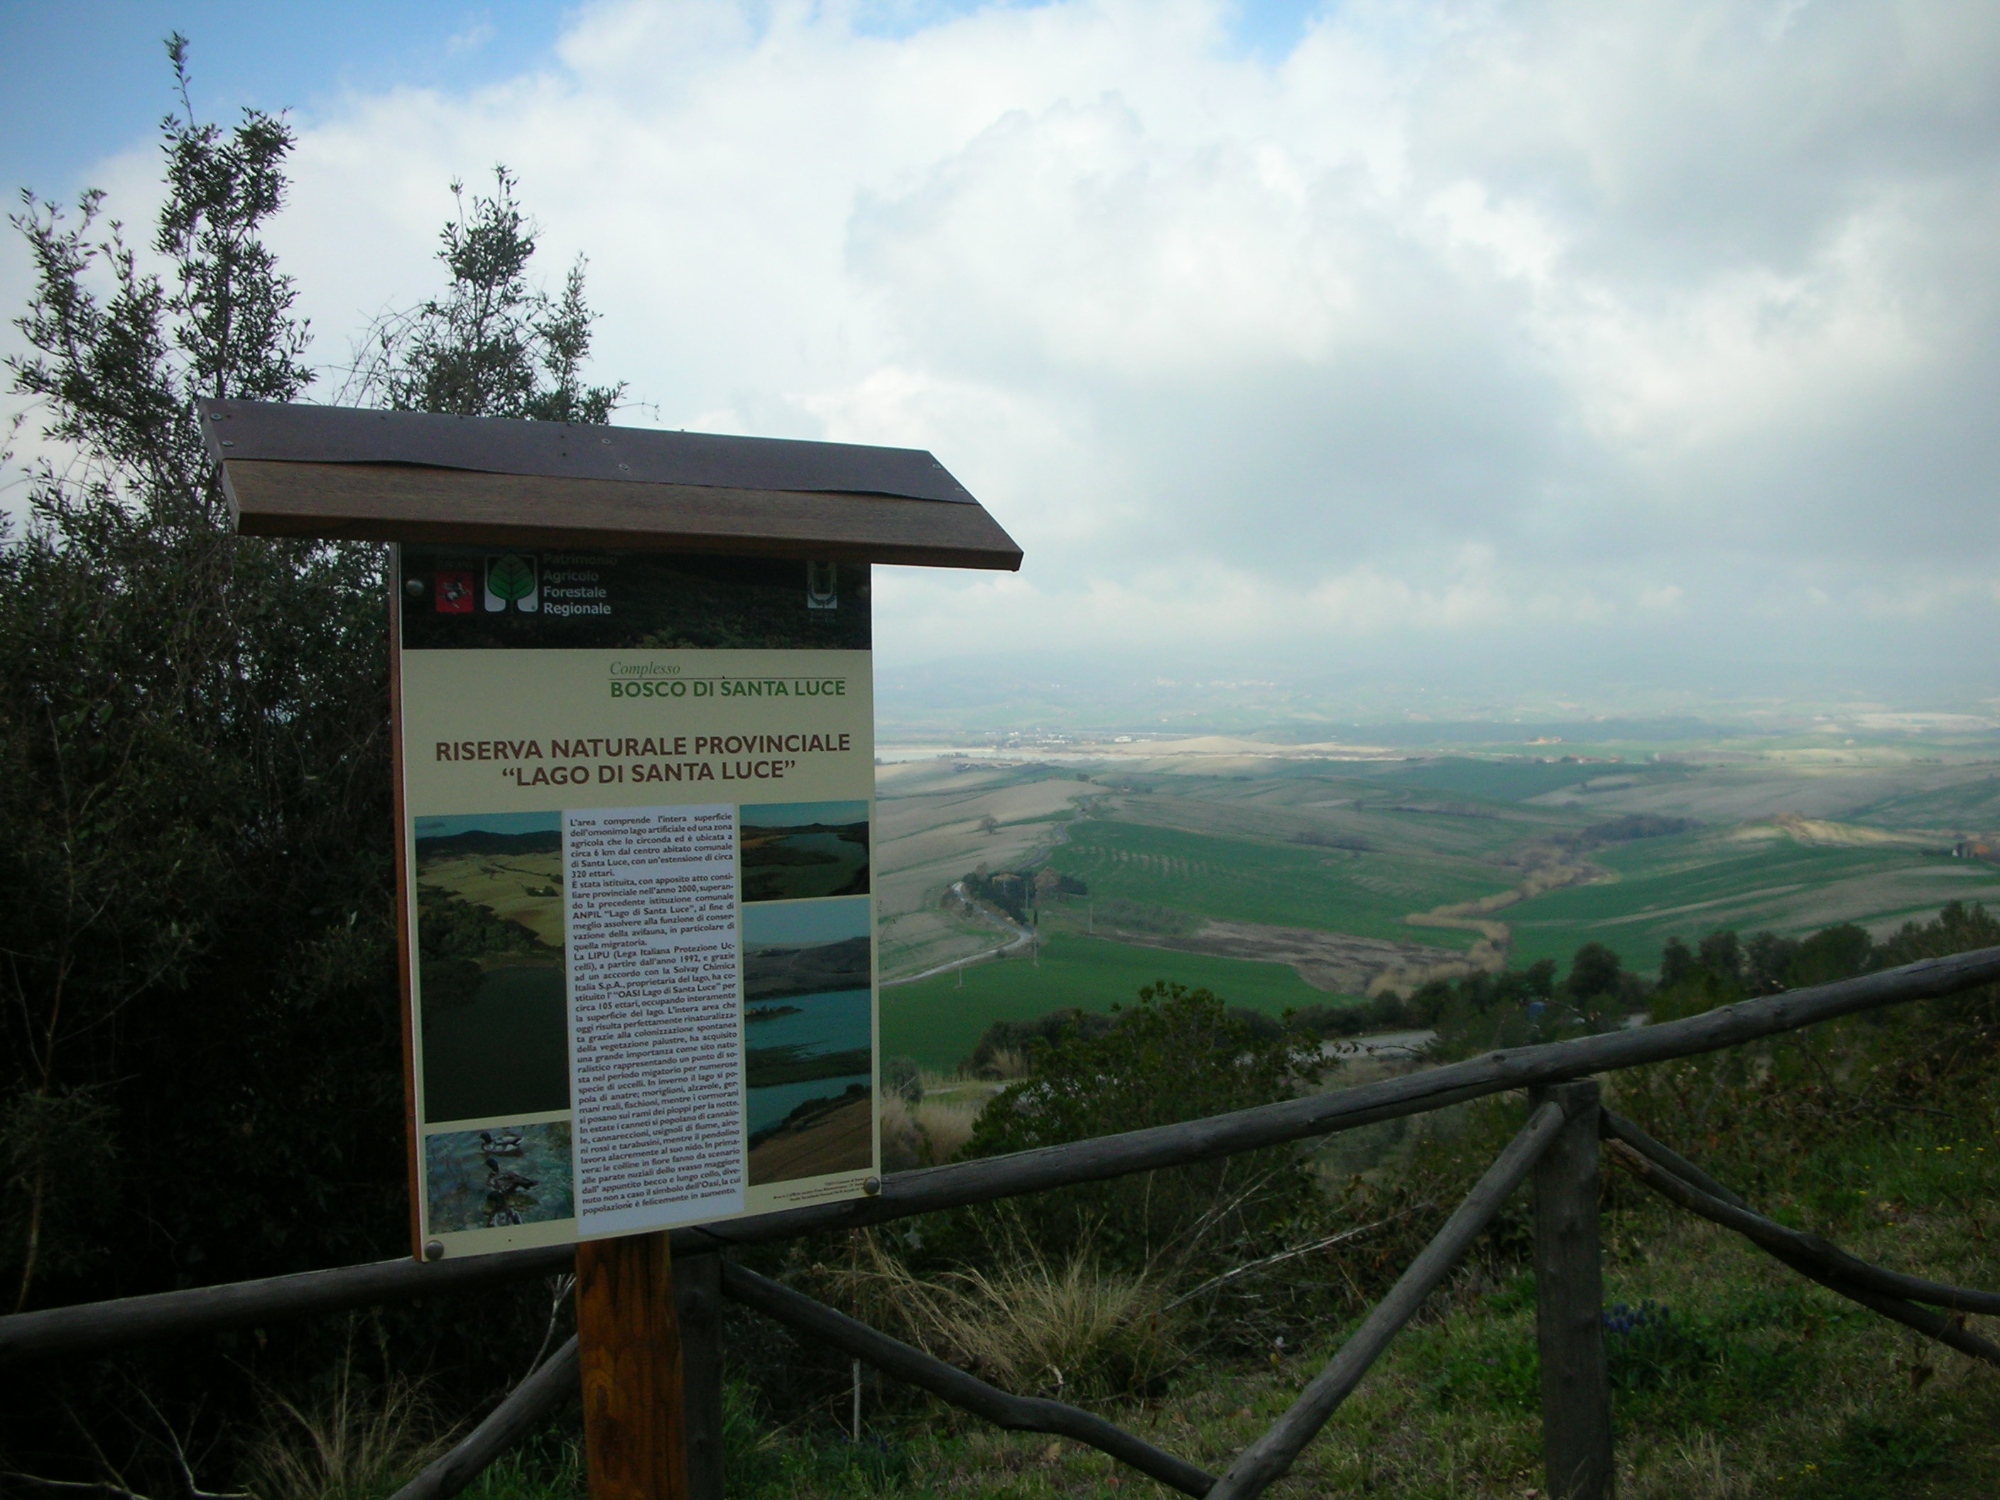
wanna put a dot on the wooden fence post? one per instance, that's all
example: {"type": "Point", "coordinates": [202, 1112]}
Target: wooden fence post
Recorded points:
{"type": "Point", "coordinates": [698, 1291]}
{"type": "Point", "coordinates": [1569, 1304]}
{"type": "Point", "coordinates": [630, 1350]}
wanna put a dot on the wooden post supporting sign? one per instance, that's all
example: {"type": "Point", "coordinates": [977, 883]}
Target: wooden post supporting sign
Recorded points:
{"type": "Point", "coordinates": [1569, 1303]}
{"type": "Point", "coordinates": [628, 1339]}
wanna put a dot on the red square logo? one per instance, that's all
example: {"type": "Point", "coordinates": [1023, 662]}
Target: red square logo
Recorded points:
{"type": "Point", "coordinates": [454, 593]}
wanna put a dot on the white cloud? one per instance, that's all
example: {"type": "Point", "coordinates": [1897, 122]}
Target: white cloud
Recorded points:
{"type": "Point", "coordinates": [472, 38]}
{"type": "Point", "coordinates": [1531, 326]}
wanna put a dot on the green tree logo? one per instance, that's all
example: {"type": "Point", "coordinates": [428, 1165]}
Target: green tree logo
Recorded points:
{"type": "Point", "coordinates": [510, 580]}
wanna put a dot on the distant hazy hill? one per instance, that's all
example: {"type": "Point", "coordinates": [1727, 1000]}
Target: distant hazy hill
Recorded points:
{"type": "Point", "coordinates": [772, 973]}
{"type": "Point", "coordinates": [478, 841]}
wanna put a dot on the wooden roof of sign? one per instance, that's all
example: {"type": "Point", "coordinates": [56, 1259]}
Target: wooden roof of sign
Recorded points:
{"type": "Point", "coordinates": [341, 472]}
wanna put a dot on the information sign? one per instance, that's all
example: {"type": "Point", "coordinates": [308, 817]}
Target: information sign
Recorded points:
{"type": "Point", "coordinates": [637, 805]}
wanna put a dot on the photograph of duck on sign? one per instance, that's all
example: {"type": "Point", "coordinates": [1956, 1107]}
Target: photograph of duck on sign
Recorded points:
{"type": "Point", "coordinates": [638, 829]}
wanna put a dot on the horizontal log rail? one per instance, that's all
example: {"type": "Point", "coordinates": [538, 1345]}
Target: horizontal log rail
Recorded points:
{"type": "Point", "coordinates": [93, 1327]}
{"type": "Point", "coordinates": [1731, 1212]}
{"type": "Point", "coordinates": [1815, 1259]}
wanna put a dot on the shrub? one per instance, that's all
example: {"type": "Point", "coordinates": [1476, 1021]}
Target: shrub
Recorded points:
{"type": "Point", "coordinates": [901, 1075]}
{"type": "Point", "coordinates": [1179, 1054]}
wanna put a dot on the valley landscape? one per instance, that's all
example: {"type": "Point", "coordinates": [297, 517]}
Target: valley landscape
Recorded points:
{"type": "Point", "coordinates": [1288, 874]}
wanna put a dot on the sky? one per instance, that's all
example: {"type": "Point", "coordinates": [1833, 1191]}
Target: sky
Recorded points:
{"type": "Point", "coordinates": [1453, 358]}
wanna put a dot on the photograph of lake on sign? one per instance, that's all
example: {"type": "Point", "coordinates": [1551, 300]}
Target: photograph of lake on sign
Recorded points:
{"type": "Point", "coordinates": [490, 965]}
{"type": "Point", "coordinates": [795, 850]}
{"type": "Point", "coordinates": [809, 1061]}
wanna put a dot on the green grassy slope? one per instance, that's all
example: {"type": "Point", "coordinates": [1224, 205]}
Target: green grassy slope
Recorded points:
{"type": "Point", "coordinates": [938, 1023]}
{"type": "Point", "coordinates": [1282, 885]}
{"type": "Point", "coordinates": [1696, 883]}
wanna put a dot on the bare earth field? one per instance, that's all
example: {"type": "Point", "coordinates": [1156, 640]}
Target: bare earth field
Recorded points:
{"type": "Point", "coordinates": [929, 833]}
{"type": "Point", "coordinates": [1735, 793]}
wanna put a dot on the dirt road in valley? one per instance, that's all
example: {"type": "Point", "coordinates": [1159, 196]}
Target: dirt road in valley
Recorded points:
{"type": "Point", "coordinates": [1545, 871]}
{"type": "Point", "coordinates": [1022, 937]}
{"type": "Point", "coordinates": [1342, 964]}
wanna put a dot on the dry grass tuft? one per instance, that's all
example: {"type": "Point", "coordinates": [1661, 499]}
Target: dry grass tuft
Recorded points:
{"type": "Point", "coordinates": [1072, 1330]}
{"type": "Point", "coordinates": [1693, 1468]}
{"type": "Point", "coordinates": [358, 1440]}
{"type": "Point", "coordinates": [947, 1124]}
{"type": "Point", "coordinates": [902, 1145]}
{"type": "Point", "coordinates": [929, 1132]}
{"type": "Point", "coordinates": [1008, 1064]}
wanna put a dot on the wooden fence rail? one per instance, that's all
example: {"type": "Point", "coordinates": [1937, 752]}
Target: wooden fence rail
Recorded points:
{"type": "Point", "coordinates": [96, 1326]}
{"type": "Point", "coordinates": [1559, 1145]}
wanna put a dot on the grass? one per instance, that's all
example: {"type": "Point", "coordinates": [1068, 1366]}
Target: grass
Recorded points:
{"type": "Point", "coordinates": [938, 1023]}
{"type": "Point", "coordinates": [351, 1443]}
{"type": "Point", "coordinates": [1070, 1330]}
{"type": "Point", "coordinates": [1751, 1384]}
{"type": "Point", "coordinates": [1732, 1377]}
{"type": "Point", "coordinates": [931, 1131]}
{"type": "Point", "coordinates": [1280, 885]}
{"type": "Point", "coordinates": [1691, 884]}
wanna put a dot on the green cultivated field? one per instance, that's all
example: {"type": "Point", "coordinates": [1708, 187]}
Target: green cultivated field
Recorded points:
{"type": "Point", "coordinates": [1281, 885]}
{"type": "Point", "coordinates": [1692, 884]}
{"type": "Point", "coordinates": [1515, 780]}
{"type": "Point", "coordinates": [938, 1023]}
{"type": "Point", "coordinates": [1971, 805]}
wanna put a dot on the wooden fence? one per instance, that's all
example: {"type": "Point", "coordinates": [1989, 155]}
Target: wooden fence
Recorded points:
{"type": "Point", "coordinates": [1561, 1148]}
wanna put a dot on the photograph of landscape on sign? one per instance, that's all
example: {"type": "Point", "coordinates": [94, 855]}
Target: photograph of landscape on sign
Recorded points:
{"type": "Point", "coordinates": [795, 850]}
{"type": "Point", "coordinates": [490, 965]}
{"type": "Point", "coordinates": [809, 1060]}
{"type": "Point", "coordinates": [494, 1178]}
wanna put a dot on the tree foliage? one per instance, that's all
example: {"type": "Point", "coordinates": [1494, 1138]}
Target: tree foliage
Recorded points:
{"type": "Point", "coordinates": [1179, 1054]}
{"type": "Point", "coordinates": [493, 345]}
{"type": "Point", "coordinates": [195, 789]}
{"type": "Point", "coordinates": [201, 1074]}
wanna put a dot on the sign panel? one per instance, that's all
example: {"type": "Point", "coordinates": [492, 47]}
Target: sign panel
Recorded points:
{"type": "Point", "coordinates": [637, 799]}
